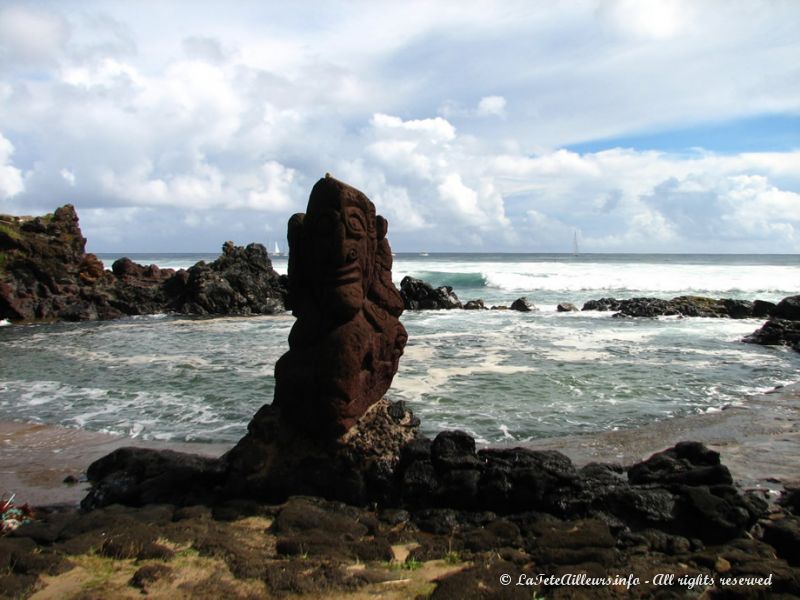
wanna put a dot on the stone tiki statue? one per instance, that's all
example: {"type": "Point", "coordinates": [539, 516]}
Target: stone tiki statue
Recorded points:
{"type": "Point", "coordinates": [347, 341]}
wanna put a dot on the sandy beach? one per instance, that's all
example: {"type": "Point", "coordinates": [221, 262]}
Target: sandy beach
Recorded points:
{"type": "Point", "coordinates": [35, 459]}
{"type": "Point", "coordinates": [759, 441]}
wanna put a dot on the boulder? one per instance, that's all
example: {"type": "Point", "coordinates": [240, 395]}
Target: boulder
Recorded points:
{"type": "Point", "coordinates": [139, 289]}
{"type": "Point", "coordinates": [566, 307]}
{"type": "Point", "coordinates": [522, 305]}
{"type": "Point", "coordinates": [646, 307]}
{"type": "Point", "coordinates": [420, 295]}
{"type": "Point", "coordinates": [602, 304]}
{"type": "Point", "coordinates": [788, 308]}
{"type": "Point", "coordinates": [240, 282]}
{"type": "Point", "coordinates": [687, 306]}
{"type": "Point", "coordinates": [776, 332]}
{"type": "Point", "coordinates": [762, 308]}
{"type": "Point", "coordinates": [475, 305]}
{"type": "Point", "coordinates": [688, 463]}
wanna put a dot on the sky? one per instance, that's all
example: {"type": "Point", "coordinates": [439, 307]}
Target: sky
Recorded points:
{"type": "Point", "coordinates": [639, 125]}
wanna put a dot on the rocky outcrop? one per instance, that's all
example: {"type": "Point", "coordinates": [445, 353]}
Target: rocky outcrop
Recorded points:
{"type": "Point", "coordinates": [788, 308]}
{"type": "Point", "coordinates": [776, 332]}
{"type": "Point", "coordinates": [475, 305]}
{"type": "Point", "coordinates": [602, 304]}
{"type": "Point", "coordinates": [272, 462]}
{"type": "Point", "coordinates": [139, 290]}
{"type": "Point", "coordinates": [46, 274]}
{"type": "Point", "coordinates": [686, 306]}
{"type": "Point", "coordinates": [240, 282]}
{"type": "Point", "coordinates": [783, 328]}
{"type": "Point", "coordinates": [309, 547]}
{"type": "Point", "coordinates": [683, 491]}
{"type": "Point", "coordinates": [566, 307]}
{"type": "Point", "coordinates": [522, 305]}
{"type": "Point", "coordinates": [419, 295]}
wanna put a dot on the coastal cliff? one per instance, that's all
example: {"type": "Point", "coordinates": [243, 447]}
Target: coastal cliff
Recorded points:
{"type": "Point", "coordinates": [47, 275]}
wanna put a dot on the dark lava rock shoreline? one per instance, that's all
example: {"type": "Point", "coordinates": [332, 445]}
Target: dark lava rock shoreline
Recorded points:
{"type": "Point", "coordinates": [472, 517]}
{"type": "Point", "coordinates": [46, 274]}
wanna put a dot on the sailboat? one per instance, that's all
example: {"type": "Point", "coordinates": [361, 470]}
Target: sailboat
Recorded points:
{"type": "Point", "coordinates": [277, 250]}
{"type": "Point", "coordinates": [575, 250]}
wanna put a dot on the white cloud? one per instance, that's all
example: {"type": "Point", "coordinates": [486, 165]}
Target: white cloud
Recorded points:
{"type": "Point", "coordinates": [30, 35]}
{"type": "Point", "coordinates": [455, 121]}
{"type": "Point", "coordinates": [492, 105]}
{"type": "Point", "coordinates": [11, 182]}
{"type": "Point", "coordinates": [654, 19]}
{"type": "Point", "coordinates": [434, 130]}
{"type": "Point", "coordinates": [68, 176]}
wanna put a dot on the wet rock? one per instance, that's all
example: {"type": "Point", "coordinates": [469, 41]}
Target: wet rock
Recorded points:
{"type": "Point", "coordinates": [566, 307]}
{"type": "Point", "coordinates": [603, 304]}
{"type": "Point", "coordinates": [776, 332]}
{"type": "Point", "coordinates": [687, 306]}
{"type": "Point", "coordinates": [788, 308]}
{"type": "Point", "coordinates": [762, 308]}
{"type": "Point", "coordinates": [475, 305]}
{"type": "Point", "coordinates": [738, 309]}
{"type": "Point", "coordinates": [646, 307]}
{"type": "Point", "coordinates": [419, 295]}
{"type": "Point", "coordinates": [522, 305]}
{"type": "Point", "coordinates": [240, 282]}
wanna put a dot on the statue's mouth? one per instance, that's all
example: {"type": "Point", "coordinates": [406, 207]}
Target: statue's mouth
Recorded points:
{"type": "Point", "coordinates": [348, 274]}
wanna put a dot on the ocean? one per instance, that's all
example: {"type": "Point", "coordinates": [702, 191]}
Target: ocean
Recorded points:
{"type": "Point", "coordinates": [502, 376]}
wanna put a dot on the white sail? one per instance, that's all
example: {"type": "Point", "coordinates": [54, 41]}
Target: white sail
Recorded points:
{"type": "Point", "coordinates": [277, 250]}
{"type": "Point", "coordinates": [575, 250]}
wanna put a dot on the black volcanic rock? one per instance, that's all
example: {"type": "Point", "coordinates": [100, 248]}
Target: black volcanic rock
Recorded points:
{"type": "Point", "coordinates": [788, 308]}
{"type": "Point", "coordinates": [46, 274]}
{"type": "Point", "coordinates": [762, 308]}
{"type": "Point", "coordinates": [522, 305]}
{"type": "Point", "coordinates": [776, 332]}
{"type": "Point", "coordinates": [420, 295]}
{"type": "Point", "coordinates": [240, 282]}
{"type": "Point", "coordinates": [475, 305]}
{"type": "Point", "coordinates": [602, 304]}
{"type": "Point", "coordinates": [686, 306]}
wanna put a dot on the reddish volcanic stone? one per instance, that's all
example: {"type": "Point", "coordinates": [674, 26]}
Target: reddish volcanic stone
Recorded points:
{"type": "Point", "coordinates": [347, 341]}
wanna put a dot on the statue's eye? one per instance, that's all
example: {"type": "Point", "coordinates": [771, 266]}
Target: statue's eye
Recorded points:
{"type": "Point", "coordinates": [355, 222]}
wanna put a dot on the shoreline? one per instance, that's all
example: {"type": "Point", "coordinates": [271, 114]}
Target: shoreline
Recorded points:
{"type": "Point", "coordinates": [35, 458]}
{"type": "Point", "coordinates": [759, 442]}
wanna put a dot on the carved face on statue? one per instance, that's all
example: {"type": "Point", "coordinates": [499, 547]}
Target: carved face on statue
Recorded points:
{"type": "Point", "coordinates": [341, 242]}
{"type": "Point", "coordinates": [345, 346]}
